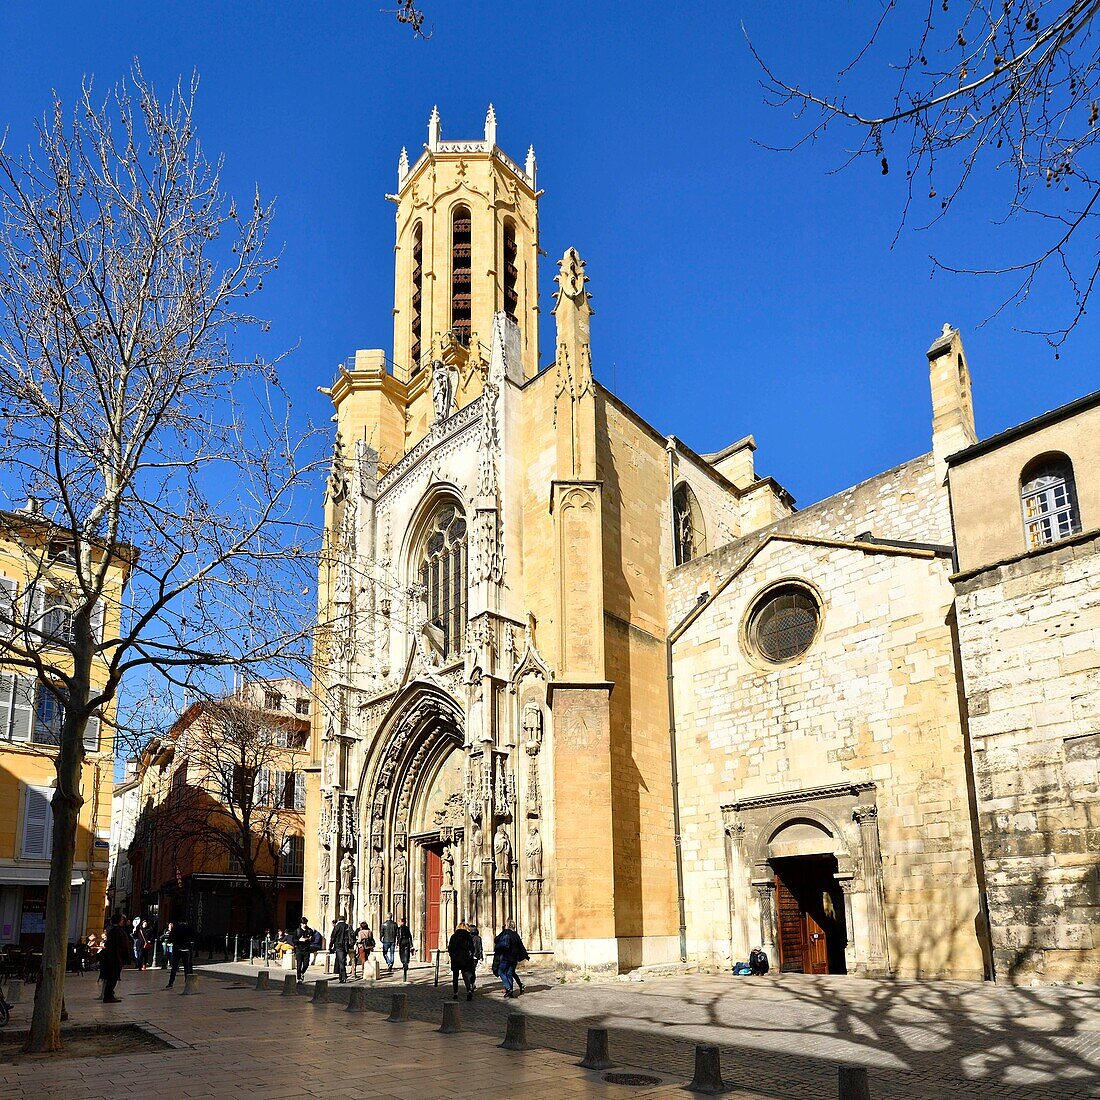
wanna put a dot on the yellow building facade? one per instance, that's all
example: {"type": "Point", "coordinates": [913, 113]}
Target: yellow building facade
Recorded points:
{"type": "Point", "coordinates": [573, 673]}
{"type": "Point", "coordinates": [35, 569]}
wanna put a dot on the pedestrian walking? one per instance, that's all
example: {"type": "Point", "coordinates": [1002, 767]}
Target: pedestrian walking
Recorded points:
{"type": "Point", "coordinates": [404, 946]}
{"type": "Point", "coordinates": [113, 958]}
{"type": "Point", "coordinates": [479, 951]}
{"type": "Point", "coordinates": [364, 945]}
{"type": "Point", "coordinates": [341, 940]}
{"type": "Point", "coordinates": [389, 940]}
{"type": "Point", "coordinates": [460, 948]}
{"type": "Point", "coordinates": [303, 947]}
{"type": "Point", "coordinates": [137, 943]}
{"type": "Point", "coordinates": [183, 944]}
{"type": "Point", "coordinates": [509, 952]}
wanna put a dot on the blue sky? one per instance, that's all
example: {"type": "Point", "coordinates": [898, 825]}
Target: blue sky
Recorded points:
{"type": "Point", "coordinates": [736, 289]}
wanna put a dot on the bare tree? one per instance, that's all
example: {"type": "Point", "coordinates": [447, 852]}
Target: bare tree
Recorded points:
{"type": "Point", "coordinates": [1012, 85]}
{"type": "Point", "coordinates": [409, 13]}
{"type": "Point", "coordinates": [124, 275]}
{"type": "Point", "coordinates": [235, 796]}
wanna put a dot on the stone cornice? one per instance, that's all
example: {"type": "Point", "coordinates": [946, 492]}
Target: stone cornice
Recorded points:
{"type": "Point", "coordinates": [808, 794]}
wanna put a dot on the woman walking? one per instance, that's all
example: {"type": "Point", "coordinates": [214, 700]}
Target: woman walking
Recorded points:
{"type": "Point", "coordinates": [460, 947]}
{"type": "Point", "coordinates": [364, 945]}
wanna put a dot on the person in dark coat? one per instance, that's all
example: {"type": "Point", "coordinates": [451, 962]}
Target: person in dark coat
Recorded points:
{"type": "Point", "coordinates": [404, 945]}
{"type": "Point", "coordinates": [479, 951]}
{"type": "Point", "coordinates": [114, 956]}
{"type": "Point", "coordinates": [460, 947]}
{"type": "Point", "coordinates": [388, 931]}
{"type": "Point", "coordinates": [183, 944]}
{"type": "Point", "coordinates": [303, 948]}
{"type": "Point", "coordinates": [509, 952]}
{"type": "Point", "coordinates": [341, 940]}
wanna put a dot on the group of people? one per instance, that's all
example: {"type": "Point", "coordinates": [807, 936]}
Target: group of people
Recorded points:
{"type": "Point", "coordinates": [123, 944]}
{"type": "Point", "coordinates": [358, 944]}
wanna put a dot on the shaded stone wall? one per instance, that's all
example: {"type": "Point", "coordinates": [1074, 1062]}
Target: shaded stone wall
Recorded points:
{"type": "Point", "coordinates": [1029, 633]}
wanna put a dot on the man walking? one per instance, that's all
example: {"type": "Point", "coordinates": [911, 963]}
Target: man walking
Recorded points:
{"type": "Point", "coordinates": [509, 952]}
{"type": "Point", "coordinates": [341, 943]}
{"type": "Point", "coordinates": [116, 950]}
{"type": "Point", "coordinates": [303, 946]}
{"type": "Point", "coordinates": [404, 946]}
{"type": "Point", "coordinates": [389, 940]}
{"type": "Point", "coordinates": [183, 942]}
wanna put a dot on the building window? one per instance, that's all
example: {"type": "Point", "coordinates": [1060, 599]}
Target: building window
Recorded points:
{"type": "Point", "coordinates": [687, 516]}
{"type": "Point", "coordinates": [293, 790]}
{"type": "Point", "coordinates": [57, 620]}
{"type": "Point", "coordinates": [443, 574]}
{"type": "Point", "coordinates": [37, 824]}
{"type": "Point", "coordinates": [273, 700]}
{"type": "Point", "coordinates": [49, 714]}
{"type": "Point", "coordinates": [294, 856]}
{"type": "Point", "coordinates": [461, 259]}
{"type": "Point", "coordinates": [417, 295]}
{"type": "Point", "coordinates": [1049, 499]}
{"type": "Point", "coordinates": [783, 623]}
{"type": "Point", "coordinates": [302, 707]}
{"type": "Point", "coordinates": [511, 269]}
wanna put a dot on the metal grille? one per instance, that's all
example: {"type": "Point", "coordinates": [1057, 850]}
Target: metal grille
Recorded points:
{"type": "Point", "coordinates": [784, 626]}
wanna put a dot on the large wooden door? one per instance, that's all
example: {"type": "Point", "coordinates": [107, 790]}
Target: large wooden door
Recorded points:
{"type": "Point", "coordinates": [433, 885]}
{"type": "Point", "coordinates": [792, 929]}
{"type": "Point", "coordinates": [816, 952]}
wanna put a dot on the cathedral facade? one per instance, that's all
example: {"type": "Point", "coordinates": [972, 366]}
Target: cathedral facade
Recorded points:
{"type": "Point", "coordinates": [575, 674]}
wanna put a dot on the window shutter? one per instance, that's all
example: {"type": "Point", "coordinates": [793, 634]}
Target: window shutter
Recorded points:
{"type": "Point", "coordinates": [97, 621]}
{"type": "Point", "coordinates": [263, 787]}
{"type": "Point", "coordinates": [37, 824]}
{"type": "Point", "coordinates": [91, 734]}
{"type": "Point", "coordinates": [9, 606]}
{"type": "Point", "coordinates": [299, 790]}
{"type": "Point", "coordinates": [34, 605]}
{"type": "Point", "coordinates": [22, 708]}
{"type": "Point", "coordinates": [7, 689]}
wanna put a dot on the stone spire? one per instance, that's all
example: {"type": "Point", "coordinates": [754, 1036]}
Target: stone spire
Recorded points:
{"type": "Point", "coordinates": [491, 126]}
{"type": "Point", "coordinates": [402, 166]}
{"type": "Point", "coordinates": [529, 167]}
{"type": "Point", "coordinates": [574, 411]}
{"type": "Point", "coordinates": [952, 403]}
{"type": "Point", "coordinates": [434, 129]}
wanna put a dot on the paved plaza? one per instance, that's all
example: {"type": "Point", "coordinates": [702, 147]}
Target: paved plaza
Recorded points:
{"type": "Point", "coordinates": [780, 1037]}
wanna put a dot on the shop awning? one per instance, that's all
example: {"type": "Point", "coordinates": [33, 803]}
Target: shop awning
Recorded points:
{"type": "Point", "coordinates": [33, 876]}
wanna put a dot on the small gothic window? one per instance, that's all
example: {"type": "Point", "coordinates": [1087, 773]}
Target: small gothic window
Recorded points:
{"type": "Point", "coordinates": [511, 269]}
{"type": "Point", "coordinates": [417, 293]}
{"type": "Point", "coordinates": [1049, 499]}
{"type": "Point", "coordinates": [443, 574]}
{"type": "Point", "coordinates": [783, 623]}
{"type": "Point", "coordinates": [687, 517]}
{"type": "Point", "coordinates": [461, 252]}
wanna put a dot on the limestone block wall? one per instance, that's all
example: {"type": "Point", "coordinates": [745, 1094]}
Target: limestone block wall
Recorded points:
{"type": "Point", "coordinates": [873, 700]}
{"type": "Point", "coordinates": [1029, 633]}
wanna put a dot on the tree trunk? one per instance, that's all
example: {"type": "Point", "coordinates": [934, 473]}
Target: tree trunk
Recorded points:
{"type": "Point", "coordinates": [45, 1033]}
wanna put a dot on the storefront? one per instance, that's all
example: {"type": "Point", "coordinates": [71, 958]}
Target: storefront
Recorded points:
{"type": "Point", "coordinates": [23, 905]}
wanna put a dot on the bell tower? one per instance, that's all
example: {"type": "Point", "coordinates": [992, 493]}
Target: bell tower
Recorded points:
{"type": "Point", "coordinates": [466, 248]}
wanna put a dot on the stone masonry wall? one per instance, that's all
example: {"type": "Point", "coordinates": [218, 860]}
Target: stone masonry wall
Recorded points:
{"type": "Point", "coordinates": [1029, 633]}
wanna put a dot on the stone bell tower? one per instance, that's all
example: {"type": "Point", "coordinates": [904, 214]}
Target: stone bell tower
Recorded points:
{"type": "Point", "coordinates": [467, 248]}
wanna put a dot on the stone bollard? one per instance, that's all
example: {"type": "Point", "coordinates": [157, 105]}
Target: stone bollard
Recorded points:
{"type": "Point", "coordinates": [399, 1008]}
{"type": "Point", "coordinates": [515, 1037]}
{"type": "Point", "coordinates": [451, 1022]}
{"type": "Point", "coordinates": [190, 984]}
{"type": "Point", "coordinates": [320, 992]}
{"type": "Point", "coordinates": [371, 970]}
{"type": "Point", "coordinates": [853, 1083]}
{"type": "Point", "coordinates": [597, 1055]}
{"type": "Point", "coordinates": [15, 991]}
{"type": "Point", "coordinates": [263, 979]}
{"type": "Point", "coordinates": [290, 985]}
{"type": "Point", "coordinates": [708, 1071]}
{"type": "Point", "coordinates": [357, 1001]}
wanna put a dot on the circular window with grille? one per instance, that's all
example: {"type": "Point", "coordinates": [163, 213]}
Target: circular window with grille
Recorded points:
{"type": "Point", "coordinates": [783, 623]}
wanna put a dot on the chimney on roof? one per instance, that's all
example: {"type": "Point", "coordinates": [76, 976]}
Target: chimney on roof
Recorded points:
{"type": "Point", "coordinates": [33, 507]}
{"type": "Point", "coordinates": [952, 403]}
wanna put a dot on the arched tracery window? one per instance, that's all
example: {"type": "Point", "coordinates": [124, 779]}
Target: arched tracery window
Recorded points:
{"type": "Point", "coordinates": [1049, 499]}
{"type": "Point", "coordinates": [443, 574]}
{"type": "Point", "coordinates": [687, 517]}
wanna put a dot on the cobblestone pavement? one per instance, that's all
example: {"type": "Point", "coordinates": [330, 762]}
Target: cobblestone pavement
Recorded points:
{"type": "Point", "coordinates": [783, 1036]}
{"type": "Point", "coordinates": [235, 1042]}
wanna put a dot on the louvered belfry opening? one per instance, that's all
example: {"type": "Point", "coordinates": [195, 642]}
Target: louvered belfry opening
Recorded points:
{"type": "Point", "coordinates": [417, 294]}
{"type": "Point", "coordinates": [460, 273]}
{"type": "Point", "coordinates": [511, 269]}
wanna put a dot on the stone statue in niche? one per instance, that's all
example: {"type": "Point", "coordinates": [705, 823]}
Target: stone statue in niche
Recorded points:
{"type": "Point", "coordinates": [400, 866]}
{"type": "Point", "coordinates": [502, 847]}
{"type": "Point", "coordinates": [532, 729]}
{"type": "Point", "coordinates": [448, 868]}
{"type": "Point", "coordinates": [347, 873]}
{"type": "Point", "coordinates": [324, 866]}
{"type": "Point", "coordinates": [376, 868]}
{"type": "Point", "coordinates": [534, 852]}
{"type": "Point", "coordinates": [441, 390]}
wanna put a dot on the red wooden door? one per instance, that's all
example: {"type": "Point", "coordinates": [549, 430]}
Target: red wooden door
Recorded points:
{"type": "Point", "coordinates": [433, 884]}
{"type": "Point", "coordinates": [792, 929]}
{"type": "Point", "coordinates": [816, 954]}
